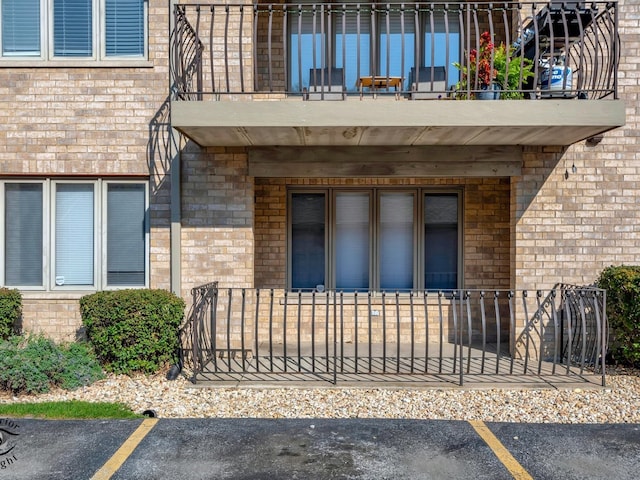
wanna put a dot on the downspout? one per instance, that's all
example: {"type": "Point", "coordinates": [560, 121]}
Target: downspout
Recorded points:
{"type": "Point", "coordinates": [175, 243]}
{"type": "Point", "coordinates": [175, 206]}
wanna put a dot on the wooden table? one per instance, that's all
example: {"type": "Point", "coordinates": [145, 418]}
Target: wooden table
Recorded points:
{"type": "Point", "coordinates": [375, 83]}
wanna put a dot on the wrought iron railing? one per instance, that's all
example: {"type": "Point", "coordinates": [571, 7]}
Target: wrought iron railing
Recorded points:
{"type": "Point", "coordinates": [459, 333]}
{"type": "Point", "coordinates": [195, 351]}
{"type": "Point", "coordinates": [187, 59]}
{"type": "Point", "coordinates": [413, 50]}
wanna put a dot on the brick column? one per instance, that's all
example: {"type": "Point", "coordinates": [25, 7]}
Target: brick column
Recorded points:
{"type": "Point", "coordinates": [217, 218]}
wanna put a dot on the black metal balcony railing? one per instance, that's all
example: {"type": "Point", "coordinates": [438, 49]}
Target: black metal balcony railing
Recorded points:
{"type": "Point", "coordinates": [238, 333]}
{"type": "Point", "coordinates": [413, 50]}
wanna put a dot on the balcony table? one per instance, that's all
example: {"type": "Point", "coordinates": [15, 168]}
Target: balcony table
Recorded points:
{"type": "Point", "coordinates": [375, 83]}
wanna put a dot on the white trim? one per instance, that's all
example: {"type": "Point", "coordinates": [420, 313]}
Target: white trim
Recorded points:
{"type": "Point", "coordinates": [45, 187]}
{"type": "Point", "coordinates": [103, 233]}
{"type": "Point", "coordinates": [47, 57]}
{"type": "Point", "coordinates": [52, 258]}
{"type": "Point", "coordinates": [49, 286]}
{"type": "Point", "coordinates": [66, 62]}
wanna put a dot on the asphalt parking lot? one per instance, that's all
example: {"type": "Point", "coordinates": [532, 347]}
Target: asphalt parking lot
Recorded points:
{"type": "Point", "coordinates": [315, 449]}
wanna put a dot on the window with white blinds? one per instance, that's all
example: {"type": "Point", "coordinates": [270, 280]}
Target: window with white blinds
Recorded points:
{"type": "Point", "coordinates": [73, 29]}
{"type": "Point", "coordinates": [352, 241]}
{"type": "Point", "coordinates": [74, 234]}
{"type": "Point", "coordinates": [126, 234]}
{"type": "Point", "coordinates": [23, 227]}
{"type": "Point", "coordinates": [396, 240]}
{"type": "Point", "coordinates": [20, 28]}
{"type": "Point", "coordinates": [58, 234]}
{"type": "Point", "coordinates": [124, 28]}
{"type": "Point", "coordinates": [374, 238]}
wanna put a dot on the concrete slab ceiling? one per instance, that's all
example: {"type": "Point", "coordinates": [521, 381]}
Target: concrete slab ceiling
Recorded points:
{"type": "Point", "coordinates": [387, 121]}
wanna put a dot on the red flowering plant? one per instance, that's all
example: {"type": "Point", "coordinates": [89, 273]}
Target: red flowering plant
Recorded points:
{"type": "Point", "coordinates": [488, 65]}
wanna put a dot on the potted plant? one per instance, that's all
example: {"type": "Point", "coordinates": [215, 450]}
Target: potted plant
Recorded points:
{"type": "Point", "coordinates": [493, 72]}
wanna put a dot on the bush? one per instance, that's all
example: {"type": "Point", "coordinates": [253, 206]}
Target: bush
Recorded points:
{"type": "Point", "coordinates": [10, 311]}
{"type": "Point", "coordinates": [35, 364]}
{"type": "Point", "coordinates": [81, 367]}
{"type": "Point", "coordinates": [623, 312]}
{"type": "Point", "coordinates": [133, 330]}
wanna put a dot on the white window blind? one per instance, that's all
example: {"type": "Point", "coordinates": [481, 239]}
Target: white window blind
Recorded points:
{"type": "Point", "coordinates": [74, 234]}
{"type": "Point", "coordinates": [352, 241]}
{"type": "Point", "coordinates": [23, 234]}
{"type": "Point", "coordinates": [126, 234]}
{"type": "Point", "coordinates": [20, 27]}
{"type": "Point", "coordinates": [396, 241]}
{"type": "Point", "coordinates": [124, 25]}
{"type": "Point", "coordinates": [72, 28]}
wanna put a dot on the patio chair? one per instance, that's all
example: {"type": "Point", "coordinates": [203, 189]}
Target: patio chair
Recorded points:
{"type": "Point", "coordinates": [429, 83]}
{"type": "Point", "coordinates": [576, 15]}
{"type": "Point", "coordinates": [326, 84]}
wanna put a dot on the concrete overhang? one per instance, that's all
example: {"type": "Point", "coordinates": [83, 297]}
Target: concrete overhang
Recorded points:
{"type": "Point", "coordinates": [387, 121]}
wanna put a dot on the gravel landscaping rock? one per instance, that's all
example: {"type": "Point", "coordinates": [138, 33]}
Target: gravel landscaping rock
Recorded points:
{"type": "Point", "coordinates": [619, 402]}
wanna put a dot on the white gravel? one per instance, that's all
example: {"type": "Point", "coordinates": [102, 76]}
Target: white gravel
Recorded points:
{"type": "Point", "coordinates": [619, 402]}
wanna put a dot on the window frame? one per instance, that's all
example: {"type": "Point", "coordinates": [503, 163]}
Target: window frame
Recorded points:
{"type": "Point", "coordinates": [332, 231]}
{"type": "Point", "coordinates": [99, 40]}
{"type": "Point", "coordinates": [327, 240]}
{"type": "Point", "coordinates": [46, 213]}
{"type": "Point", "coordinates": [104, 250]}
{"type": "Point", "coordinates": [100, 191]}
{"type": "Point", "coordinates": [53, 259]}
{"type": "Point", "coordinates": [375, 193]}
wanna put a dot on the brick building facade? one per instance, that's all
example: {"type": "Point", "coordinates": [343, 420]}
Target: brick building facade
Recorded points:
{"type": "Point", "coordinates": [103, 122]}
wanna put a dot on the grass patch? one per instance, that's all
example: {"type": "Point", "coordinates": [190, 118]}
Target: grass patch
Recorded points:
{"type": "Point", "coordinates": [73, 409]}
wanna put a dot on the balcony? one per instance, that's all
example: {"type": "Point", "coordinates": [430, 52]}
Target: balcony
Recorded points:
{"type": "Point", "coordinates": [346, 74]}
{"type": "Point", "coordinates": [433, 337]}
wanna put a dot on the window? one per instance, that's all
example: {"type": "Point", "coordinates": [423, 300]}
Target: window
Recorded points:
{"type": "Point", "coordinates": [74, 227]}
{"type": "Point", "coordinates": [59, 234]}
{"type": "Point", "coordinates": [362, 42]}
{"type": "Point", "coordinates": [73, 29]}
{"type": "Point", "coordinates": [125, 234]}
{"type": "Point", "coordinates": [387, 239]}
{"type": "Point", "coordinates": [23, 227]}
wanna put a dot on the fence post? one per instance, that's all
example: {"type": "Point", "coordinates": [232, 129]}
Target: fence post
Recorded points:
{"type": "Point", "coordinates": [335, 339]}
{"type": "Point", "coordinates": [605, 328]}
{"type": "Point", "coordinates": [195, 343]}
{"type": "Point", "coordinates": [460, 337]}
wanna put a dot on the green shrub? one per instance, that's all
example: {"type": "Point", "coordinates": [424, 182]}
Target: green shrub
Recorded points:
{"type": "Point", "coordinates": [81, 367]}
{"type": "Point", "coordinates": [35, 364]}
{"type": "Point", "coordinates": [623, 312]}
{"type": "Point", "coordinates": [133, 330]}
{"type": "Point", "coordinates": [10, 311]}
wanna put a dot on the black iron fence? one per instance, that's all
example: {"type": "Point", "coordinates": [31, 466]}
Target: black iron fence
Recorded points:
{"type": "Point", "coordinates": [412, 50]}
{"type": "Point", "coordinates": [459, 333]}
